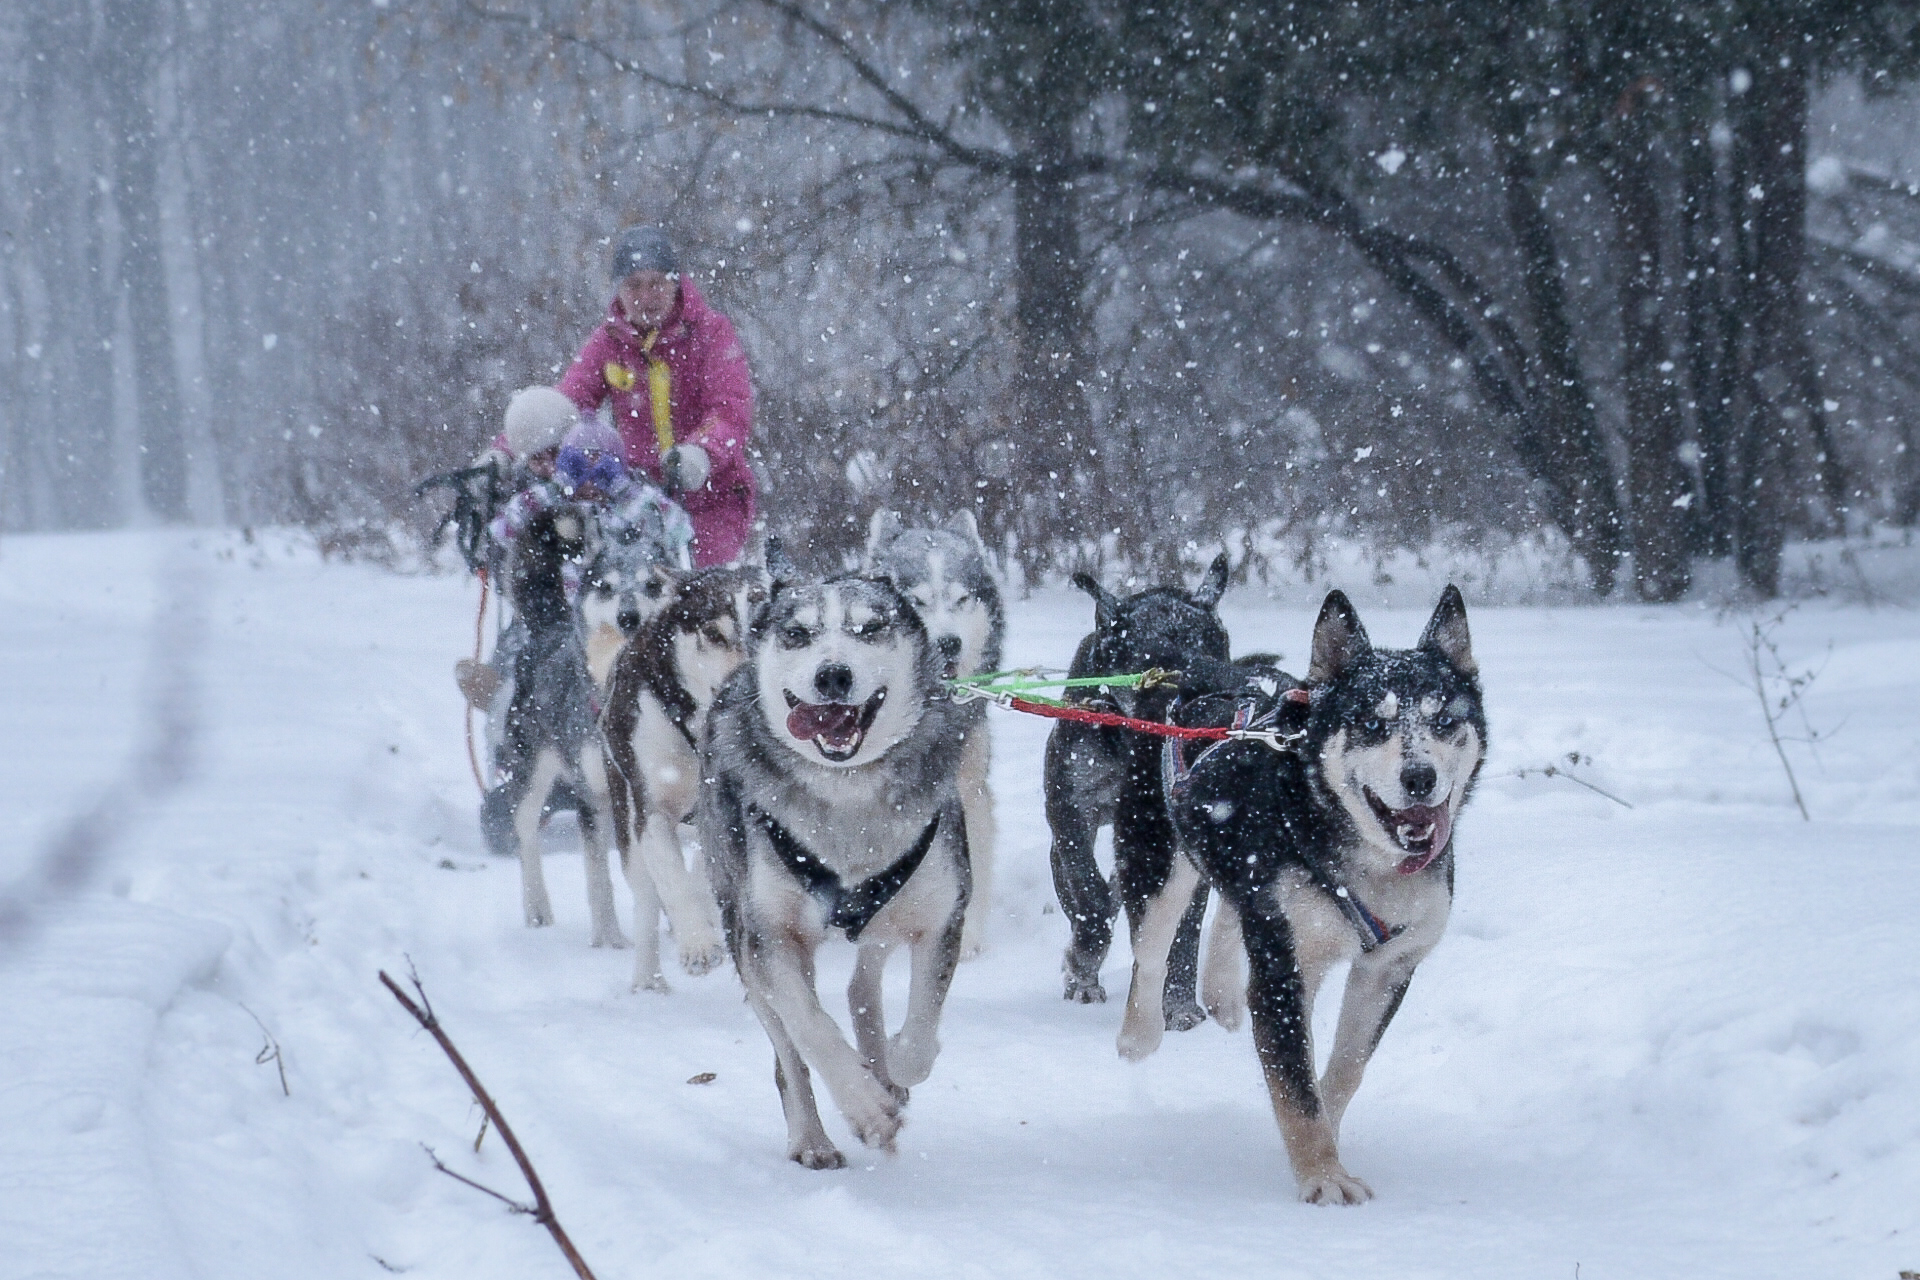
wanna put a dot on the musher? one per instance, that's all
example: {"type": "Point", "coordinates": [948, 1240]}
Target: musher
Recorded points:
{"type": "Point", "coordinates": [670, 370]}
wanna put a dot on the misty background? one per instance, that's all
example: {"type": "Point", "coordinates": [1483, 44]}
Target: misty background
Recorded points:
{"type": "Point", "coordinates": [1635, 282]}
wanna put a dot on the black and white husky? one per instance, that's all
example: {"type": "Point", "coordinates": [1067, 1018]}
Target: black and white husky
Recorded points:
{"type": "Point", "coordinates": [550, 734]}
{"type": "Point", "coordinates": [947, 575]}
{"type": "Point", "coordinates": [662, 684]}
{"type": "Point", "coordinates": [1095, 776]}
{"type": "Point", "coordinates": [1339, 847]}
{"type": "Point", "coordinates": [831, 806]}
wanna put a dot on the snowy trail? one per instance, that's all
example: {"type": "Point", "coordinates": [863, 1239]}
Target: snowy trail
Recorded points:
{"type": "Point", "coordinates": [1678, 1040]}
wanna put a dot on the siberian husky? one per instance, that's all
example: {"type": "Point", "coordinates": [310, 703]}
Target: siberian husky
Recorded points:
{"type": "Point", "coordinates": [1339, 847]}
{"type": "Point", "coordinates": [661, 686]}
{"type": "Point", "coordinates": [624, 585]}
{"type": "Point", "coordinates": [549, 735]}
{"type": "Point", "coordinates": [946, 573]}
{"type": "Point", "coordinates": [1097, 775]}
{"type": "Point", "coordinates": [831, 805]}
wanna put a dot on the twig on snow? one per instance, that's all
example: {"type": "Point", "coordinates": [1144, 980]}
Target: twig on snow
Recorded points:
{"type": "Point", "coordinates": [1766, 667]}
{"type": "Point", "coordinates": [269, 1052]}
{"type": "Point", "coordinates": [541, 1210]}
{"type": "Point", "coordinates": [1555, 771]}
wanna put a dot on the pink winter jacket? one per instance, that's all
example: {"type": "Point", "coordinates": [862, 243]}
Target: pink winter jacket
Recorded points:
{"type": "Point", "coordinates": [712, 404]}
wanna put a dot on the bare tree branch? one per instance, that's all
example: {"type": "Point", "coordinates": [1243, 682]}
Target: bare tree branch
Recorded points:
{"type": "Point", "coordinates": [542, 1208]}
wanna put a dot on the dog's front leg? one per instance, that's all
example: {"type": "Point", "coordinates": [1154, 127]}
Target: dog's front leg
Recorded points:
{"type": "Point", "coordinates": [593, 834]}
{"type": "Point", "coordinates": [807, 1141]}
{"type": "Point", "coordinates": [1080, 782]}
{"type": "Point", "coordinates": [1160, 919]}
{"type": "Point", "coordinates": [1223, 987]}
{"type": "Point", "coordinates": [976, 798]}
{"type": "Point", "coordinates": [1280, 999]}
{"type": "Point", "coordinates": [526, 830]}
{"type": "Point", "coordinates": [936, 953]}
{"type": "Point", "coordinates": [688, 901]}
{"type": "Point", "coordinates": [786, 973]}
{"type": "Point", "coordinates": [1373, 995]}
{"type": "Point", "coordinates": [646, 928]}
{"type": "Point", "coordinates": [864, 1003]}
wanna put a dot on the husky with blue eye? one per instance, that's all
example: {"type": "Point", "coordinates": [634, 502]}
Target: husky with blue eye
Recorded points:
{"type": "Point", "coordinates": [1332, 842]}
{"type": "Point", "coordinates": [947, 575]}
{"type": "Point", "coordinates": [830, 808]}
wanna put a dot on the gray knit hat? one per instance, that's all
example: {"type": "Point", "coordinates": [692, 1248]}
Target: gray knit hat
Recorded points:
{"type": "Point", "coordinates": [644, 249]}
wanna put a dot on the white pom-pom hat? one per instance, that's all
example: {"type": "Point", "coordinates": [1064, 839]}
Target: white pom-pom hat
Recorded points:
{"type": "Point", "coordinates": [538, 418]}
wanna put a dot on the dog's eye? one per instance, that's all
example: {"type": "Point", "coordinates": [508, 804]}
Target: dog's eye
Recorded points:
{"type": "Point", "coordinates": [1372, 725]}
{"type": "Point", "coordinates": [794, 636]}
{"type": "Point", "coordinates": [871, 627]}
{"type": "Point", "coordinates": [1444, 723]}
{"type": "Point", "coordinates": [713, 636]}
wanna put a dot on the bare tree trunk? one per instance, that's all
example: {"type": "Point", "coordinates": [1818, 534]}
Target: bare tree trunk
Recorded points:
{"type": "Point", "coordinates": [135, 30]}
{"type": "Point", "coordinates": [1656, 480]}
{"type": "Point", "coordinates": [1059, 471]}
{"type": "Point", "coordinates": [1712, 344]}
{"type": "Point", "coordinates": [1579, 474]}
{"type": "Point", "coordinates": [1775, 207]}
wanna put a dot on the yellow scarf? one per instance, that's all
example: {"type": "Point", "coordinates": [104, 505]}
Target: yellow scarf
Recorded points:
{"type": "Point", "coordinates": [659, 390]}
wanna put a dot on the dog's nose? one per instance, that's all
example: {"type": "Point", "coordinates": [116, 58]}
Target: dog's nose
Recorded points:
{"type": "Point", "coordinates": [628, 620]}
{"type": "Point", "coordinates": [1419, 780]}
{"type": "Point", "coordinates": [949, 647]}
{"type": "Point", "coordinates": [833, 681]}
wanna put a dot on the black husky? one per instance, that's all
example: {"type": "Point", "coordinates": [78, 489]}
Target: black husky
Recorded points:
{"type": "Point", "coordinates": [551, 735]}
{"type": "Point", "coordinates": [1097, 775]}
{"type": "Point", "coordinates": [1331, 841]}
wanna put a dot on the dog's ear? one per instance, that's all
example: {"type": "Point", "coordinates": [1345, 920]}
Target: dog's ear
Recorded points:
{"type": "Point", "coordinates": [882, 529]}
{"type": "Point", "coordinates": [780, 569]}
{"type": "Point", "coordinates": [1104, 605]}
{"type": "Point", "coordinates": [963, 523]}
{"type": "Point", "coordinates": [1214, 585]}
{"type": "Point", "coordinates": [1446, 632]}
{"type": "Point", "coordinates": [1338, 639]}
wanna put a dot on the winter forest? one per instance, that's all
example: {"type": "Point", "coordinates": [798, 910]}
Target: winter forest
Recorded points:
{"type": "Point", "coordinates": [1636, 279]}
{"type": "Point", "coordinates": [1605, 312]}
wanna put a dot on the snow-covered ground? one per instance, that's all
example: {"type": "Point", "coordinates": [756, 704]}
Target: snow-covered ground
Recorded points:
{"type": "Point", "coordinates": [1678, 1040]}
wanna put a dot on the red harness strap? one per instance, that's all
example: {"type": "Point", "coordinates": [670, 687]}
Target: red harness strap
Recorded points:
{"type": "Point", "coordinates": [1113, 719]}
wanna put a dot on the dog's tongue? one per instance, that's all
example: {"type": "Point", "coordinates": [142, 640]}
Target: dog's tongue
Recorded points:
{"type": "Point", "coordinates": [835, 723]}
{"type": "Point", "coordinates": [1425, 827]}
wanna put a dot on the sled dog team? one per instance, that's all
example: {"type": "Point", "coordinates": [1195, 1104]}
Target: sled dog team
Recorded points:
{"type": "Point", "coordinates": [805, 724]}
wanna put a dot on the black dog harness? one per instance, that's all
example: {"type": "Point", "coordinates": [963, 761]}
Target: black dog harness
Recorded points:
{"type": "Point", "coordinates": [1176, 775]}
{"type": "Point", "coordinates": [850, 909]}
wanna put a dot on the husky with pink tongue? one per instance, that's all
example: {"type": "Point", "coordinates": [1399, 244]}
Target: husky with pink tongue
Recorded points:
{"type": "Point", "coordinates": [831, 808]}
{"type": "Point", "coordinates": [1330, 842]}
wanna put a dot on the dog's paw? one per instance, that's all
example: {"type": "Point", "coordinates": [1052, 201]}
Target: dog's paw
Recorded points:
{"type": "Point", "coordinates": [1184, 1017]}
{"type": "Point", "coordinates": [875, 1114]}
{"type": "Point", "coordinates": [612, 939]}
{"type": "Point", "coordinates": [1334, 1186]}
{"type": "Point", "coordinates": [539, 916]}
{"type": "Point", "coordinates": [1228, 1010]}
{"type": "Point", "coordinates": [971, 949]}
{"type": "Point", "coordinates": [827, 1157]}
{"type": "Point", "coordinates": [700, 956]}
{"type": "Point", "coordinates": [655, 982]}
{"type": "Point", "coordinates": [910, 1062]}
{"type": "Point", "coordinates": [1138, 1038]}
{"type": "Point", "coordinates": [1081, 992]}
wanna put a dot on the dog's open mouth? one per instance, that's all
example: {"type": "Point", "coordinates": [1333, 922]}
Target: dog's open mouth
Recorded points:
{"type": "Point", "coordinates": [1420, 829]}
{"type": "Point", "coordinates": [836, 728]}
